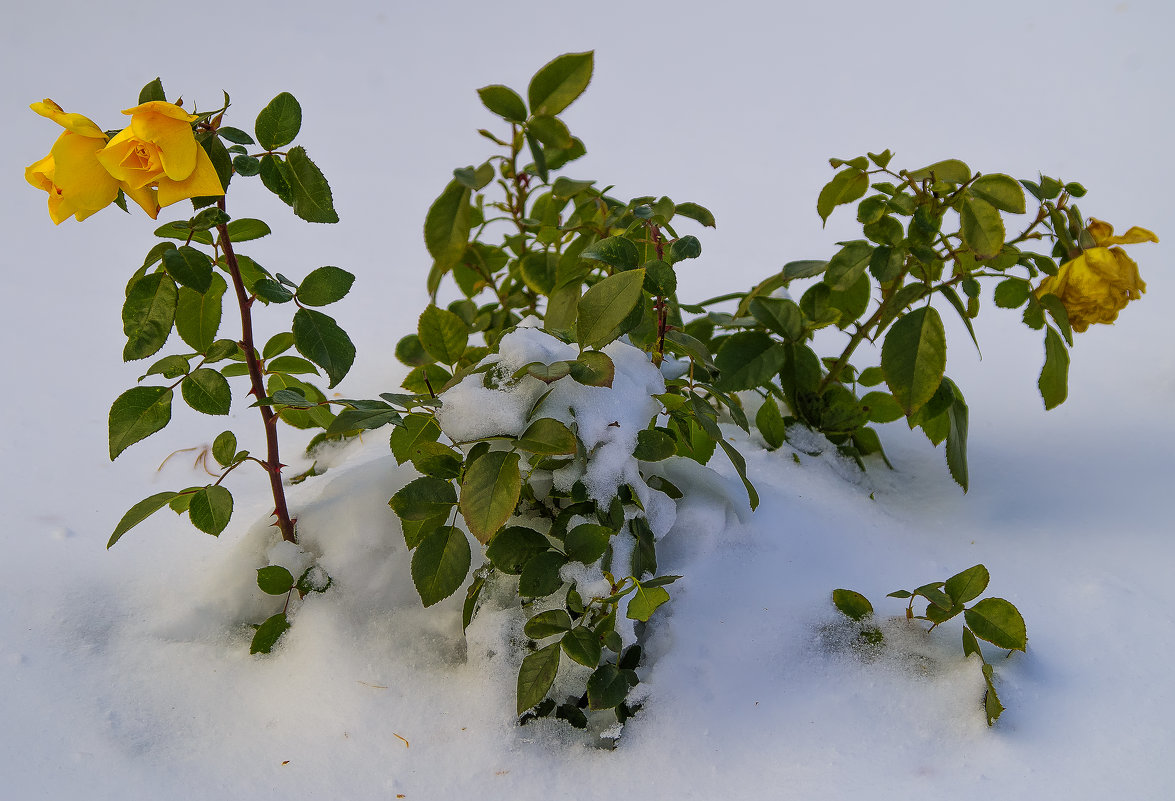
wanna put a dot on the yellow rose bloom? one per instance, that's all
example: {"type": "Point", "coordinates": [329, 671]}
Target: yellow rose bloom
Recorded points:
{"type": "Point", "coordinates": [158, 154]}
{"type": "Point", "coordinates": [1098, 284]}
{"type": "Point", "coordinates": [77, 184]}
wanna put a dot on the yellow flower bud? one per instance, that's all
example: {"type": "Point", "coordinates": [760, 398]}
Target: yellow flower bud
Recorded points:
{"type": "Point", "coordinates": [1098, 284]}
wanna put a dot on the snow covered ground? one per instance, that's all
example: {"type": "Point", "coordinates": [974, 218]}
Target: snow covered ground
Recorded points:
{"type": "Point", "coordinates": [126, 673]}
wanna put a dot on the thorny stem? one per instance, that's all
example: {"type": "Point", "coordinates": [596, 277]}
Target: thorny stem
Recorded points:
{"type": "Point", "coordinates": [272, 463]}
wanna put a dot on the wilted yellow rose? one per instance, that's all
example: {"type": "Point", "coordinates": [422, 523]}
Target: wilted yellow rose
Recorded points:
{"type": "Point", "coordinates": [1098, 284]}
{"type": "Point", "coordinates": [77, 184]}
{"type": "Point", "coordinates": [158, 154]}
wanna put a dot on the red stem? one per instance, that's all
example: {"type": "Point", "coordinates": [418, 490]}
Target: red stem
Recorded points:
{"type": "Point", "coordinates": [272, 464]}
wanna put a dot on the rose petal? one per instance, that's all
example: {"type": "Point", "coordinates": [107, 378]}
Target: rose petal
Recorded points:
{"type": "Point", "coordinates": [123, 158]}
{"type": "Point", "coordinates": [173, 137]}
{"type": "Point", "coordinates": [203, 182]}
{"type": "Point", "coordinates": [162, 107]}
{"type": "Point", "coordinates": [81, 178]}
{"type": "Point", "coordinates": [71, 122]}
{"type": "Point", "coordinates": [146, 198]}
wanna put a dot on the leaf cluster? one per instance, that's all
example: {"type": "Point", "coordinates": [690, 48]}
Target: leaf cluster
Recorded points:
{"type": "Point", "coordinates": [993, 620]}
{"type": "Point", "coordinates": [930, 236]}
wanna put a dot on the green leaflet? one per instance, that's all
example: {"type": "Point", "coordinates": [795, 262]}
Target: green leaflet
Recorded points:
{"type": "Point", "coordinates": [440, 564]}
{"type": "Point", "coordinates": [604, 308]}
{"type": "Point", "coordinates": [489, 493]}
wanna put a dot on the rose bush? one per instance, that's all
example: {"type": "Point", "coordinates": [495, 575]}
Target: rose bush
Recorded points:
{"type": "Point", "coordinates": [1098, 284]}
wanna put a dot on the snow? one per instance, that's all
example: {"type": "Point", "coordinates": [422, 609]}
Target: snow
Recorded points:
{"type": "Point", "coordinates": [127, 673]}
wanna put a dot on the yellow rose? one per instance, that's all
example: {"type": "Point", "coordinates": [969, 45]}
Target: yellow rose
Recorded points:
{"type": "Point", "coordinates": [158, 154]}
{"type": "Point", "coordinates": [77, 184]}
{"type": "Point", "coordinates": [1098, 284]}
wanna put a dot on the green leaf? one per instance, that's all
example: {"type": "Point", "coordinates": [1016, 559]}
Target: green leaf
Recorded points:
{"type": "Point", "coordinates": [982, 227]}
{"type": "Point", "coordinates": [536, 675]}
{"type": "Point", "coordinates": [653, 445]}
{"type": "Point", "coordinates": [189, 267]}
{"type": "Point", "coordinates": [559, 83]}
{"type": "Point", "coordinates": [645, 601]}
{"type": "Point", "coordinates": [992, 707]}
{"type": "Point", "coordinates": [409, 351]}
{"type": "Point", "coordinates": [808, 268]}
{"type": "Point", "coordinates": [268, 633]}
{"type": "Point", "coordinates": [687, 247]}
{"type": "Point", "coordinates": [846, 186]}
{"type": "Point", "coordinates": [443, 334]}
{"type": "Point", "coordinates": [311, 194]}
{"type": "Point", "coordinates": [435, 459]}
{"type": "Point", "coordinates": [1056, 309]}
{"type": "Point", "coordinates": [207, 391]}
{"type": "Point", "coordinates": [551, 131]}
{"type": "Point", "coordinates": [168, 367]}
{"type": "Point", "coordinates": [914, 357]}
{"type": "Point", "coordinates": [415, 429]}
{"type": "Point", "coordinates": [246, 229]}
{"type": "Point", "coordinates": [224, 448]}
{"type": "Point", "coordinates": [952, 171]}
{"type": "Point", "coordinates": [1001, 191]}
{"type": "Point", "coordinates": [151, 92]}
{"type": "Point", "coordinates": [137, 414]}
{"type": "Point", "coordinates": [1012, 293]}
{"type": "Point", "coordinates": [780, 315]}
{"type": "Point", "coordinates": [998, 622]}
{"type": "Point", "coordinates": [140, 512]}
{"type": "Point", "coordinates": [319, 338]}
{"type": "Point", "coordinates": [592, 368]}
{"type": "Point", "coordinates": [424, 498]}
{"type": "Point", "coordinates": [279, 122]}
{"type": "Point", "coordinates": [210, 509]}
{"type": "Point", "coordinates": [350, 420]}
{"type": "Point", "coordinates": [540, 575]}
{"type": "Point", "coordinates": [881, 407]}
{"type": "Point", "coordinates": [489, 493]}
{"type": "Point", "coordinates": [604, 308]}
{"type": "Point", "coordinates": [747, 360]}
{"type": "Point", "coordinates": [587, 542]}
{"type": "Point", "coordinates": [540, 159]}
{"type": "Point", "coordinates": [607, 687]}
{"type": "Point", "coordinates": [548, 623]}
{"type": "Point", "coordinates": [503, 101]}
{"type": "Point", "coordinates": [512, 547]}
{"type": "Point", "coordinates": [275, 580]}
{"type": "Point", "coordinates": [853, 604]}
{"type": "Point", "coordinates": [615, 251]}
{"type": "Point", "coordinates": [660, 279]}
{"type": "Point", "coordinates": [770, 423]}
{"type": "Point", "coordinates": [583, 646]}
{"type": "Point", "coordinates": [1054, 376]}
{"type": "Point", "coordinates": [446, 227]}
{"type": "Point", "coordinates": [957, 416]}
{"type": "Point", "coordinates": [697, 213]}
{"type": "Point", "coordinates": [148, 314]}
{"type": "Point", "coordinates": [291, 365]}
{"type": "Point", "coordinates": [968, 584]}
{"type": "Point", "coordinates": [234, 135]}
{"type": "Point", "coordinates": [197, 314]}
{"type": "Point", "coordinates": [547, 436]}
{"type": "Point", "coordinates": [440, 564]}
{"type": "Point", "coordinates": [848, 265]}
{"type": "Point", "coordinates": [274, 177]}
